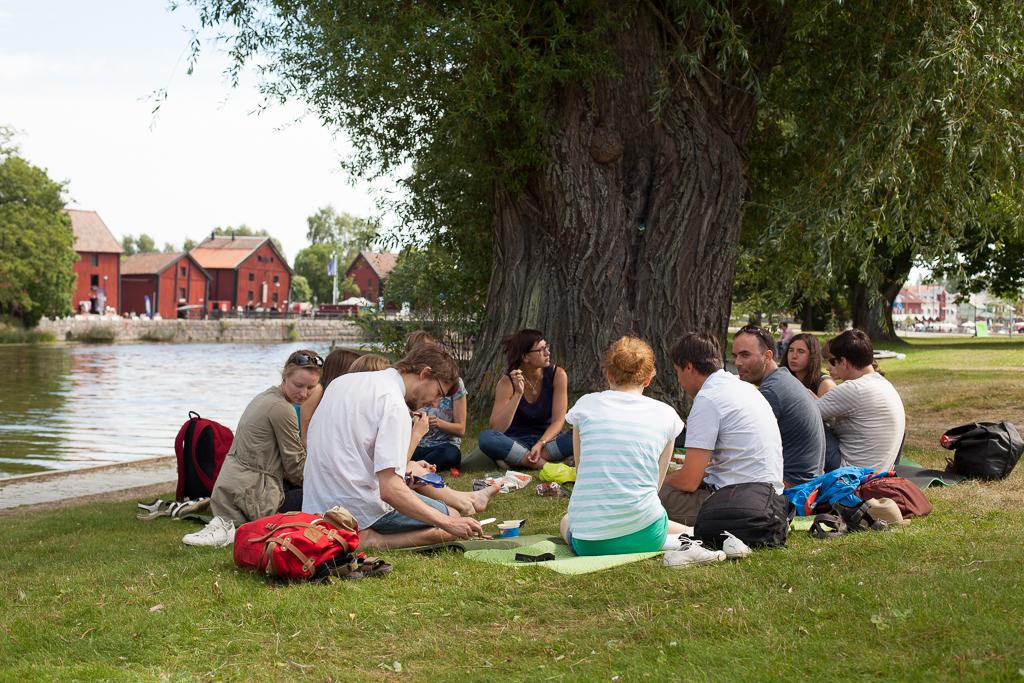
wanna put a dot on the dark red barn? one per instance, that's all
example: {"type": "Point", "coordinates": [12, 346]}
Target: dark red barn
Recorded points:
{"type": "Point", "coordinates": [247, 272]}
{"type": "Point", "coordinates": [98, 265]}
{"type": "Point", "coordinates": [369, 271]}
{"type": "Point", "coordinates": [177, 286]}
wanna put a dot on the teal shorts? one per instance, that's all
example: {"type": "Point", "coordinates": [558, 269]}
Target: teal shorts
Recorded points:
{"type": "Point", "coordinates": [648, 540]}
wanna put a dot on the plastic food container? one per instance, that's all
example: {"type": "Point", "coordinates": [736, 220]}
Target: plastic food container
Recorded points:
{"type": "Point", "coordinates": [508, 529]}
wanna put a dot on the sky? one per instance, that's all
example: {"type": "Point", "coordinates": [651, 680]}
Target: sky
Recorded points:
{"type": "Point", "coordinates": [76, 82]}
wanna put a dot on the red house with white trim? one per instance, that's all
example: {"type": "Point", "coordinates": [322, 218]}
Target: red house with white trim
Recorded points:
{"type": "Point", "coordinates": [177, 286]}
{"type": "Point", "coordinates": [246, 272]}
{"type": "Point", "coordinates": [98, 268]}
{"type": "Point", "coordinates": [369, 271]}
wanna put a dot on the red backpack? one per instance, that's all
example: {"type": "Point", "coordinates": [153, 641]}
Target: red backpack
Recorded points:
{"type": "Point", "coordinates": [294, 546]}
{"type": "Point", "coordinates": [201, 446]}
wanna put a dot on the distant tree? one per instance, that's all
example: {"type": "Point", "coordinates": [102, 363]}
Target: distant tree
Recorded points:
{"type": "Point", "coordinates": [349, 233]}
{"type": "Point", "coordinates": [168, 247]}
{"type": "Point", "coordinates": [311, 263]}
{"type": "Point", "coordinates": [36, 243]}
{"type": "Point", "coordinates": [189, 244]}
{"type": "Point", "coordinates": [301, 291]}
{"type": "Point", "coordinates": [128, 244]}
{"type": "Point", "coordinates": [144, 244]}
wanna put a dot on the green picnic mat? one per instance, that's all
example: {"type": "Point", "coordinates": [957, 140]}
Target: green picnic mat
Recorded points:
{"type": "Point", "coordinates": [565, 562]}
{"type": "Point", "coordinates": [801, 523]}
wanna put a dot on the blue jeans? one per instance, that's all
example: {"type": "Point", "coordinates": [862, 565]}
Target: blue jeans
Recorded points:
{"type": "Point", "coordinates": [513, 450]}
{"type": "Point", "coordinates": [443, 456]}
{"type": "Point", "coordinates": [395, 522]}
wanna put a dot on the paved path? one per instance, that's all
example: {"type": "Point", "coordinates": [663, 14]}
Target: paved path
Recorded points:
{"type": "Point", "coordinates": [125, 481]}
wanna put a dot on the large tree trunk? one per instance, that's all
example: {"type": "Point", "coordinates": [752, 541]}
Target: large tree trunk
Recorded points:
{"type": "Point", "coordinates": [633, 225]}
{"type": "Point", "coordinates": [871, 307]}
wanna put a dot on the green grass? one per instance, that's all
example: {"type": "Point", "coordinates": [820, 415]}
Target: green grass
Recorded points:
{"type": "Point", "coordinates": [941, 599]}
{"type": "Point", "coordinates": [19, 335]}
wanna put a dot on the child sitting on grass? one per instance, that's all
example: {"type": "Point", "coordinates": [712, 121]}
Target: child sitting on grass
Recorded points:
{"type": "Point", "coordinates": [622, 441]}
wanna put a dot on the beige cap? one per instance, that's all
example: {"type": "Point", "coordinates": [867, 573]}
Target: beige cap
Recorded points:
{"type": "Point", "coordinates": [885, 510]}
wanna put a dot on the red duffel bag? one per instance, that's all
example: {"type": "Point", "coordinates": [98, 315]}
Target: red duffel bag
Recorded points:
{"type": "Point", "coordinates": [908, 496]}
{"type": "Point", "coordinates": [297, 545]}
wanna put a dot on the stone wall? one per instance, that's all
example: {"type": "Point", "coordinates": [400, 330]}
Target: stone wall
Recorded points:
{"type": "Point", "coordinates": [96, 328]}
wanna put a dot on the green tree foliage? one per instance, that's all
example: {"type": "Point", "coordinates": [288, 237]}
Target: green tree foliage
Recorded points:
{"type": "Point", "coordinates": [884, 133]}
{"type": "Point", "coordinates": [143, 244]}
{"type": "Point", "coordinates": [189, 244]}
{"type": "Point", "coordinates": [301, 291]}
{"type": "Point", "coordinates": [349, 233]}
{"type": "Point", "coordinates": [168, 248]}
{"type": "Point", "coordinates": [128, 244]}
{"type": "Point", "coordinates": [879, 130]}
{"type": "Point", "coordinates": [311, 263]}
{"type": "Point", "coordinates": [36, 243]}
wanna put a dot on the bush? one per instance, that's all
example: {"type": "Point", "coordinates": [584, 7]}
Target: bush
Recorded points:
{"type": "Point", "coordinates": [19, 335]}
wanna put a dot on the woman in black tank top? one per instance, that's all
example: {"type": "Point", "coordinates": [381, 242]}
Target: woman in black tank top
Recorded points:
{"type": "Point", "coordinates": [530, 402]}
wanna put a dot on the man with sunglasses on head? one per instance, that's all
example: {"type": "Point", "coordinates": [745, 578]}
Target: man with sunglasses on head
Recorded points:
{"type": "Point", "coordinates": [800, 425]}
{"type": "Point", "coordinates": [865, 412]}
{"type": "Point", "coordinates": [359, 441]}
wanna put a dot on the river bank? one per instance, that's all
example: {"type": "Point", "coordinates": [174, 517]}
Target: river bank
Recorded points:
{"type": "Point", "coordinates": [109, 329]}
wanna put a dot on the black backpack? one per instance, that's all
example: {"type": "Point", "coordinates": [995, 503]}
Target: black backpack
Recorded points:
{"type": "Point", "coordinates": [983, 450]}
{"type": "Point", "coordinates": [754, 513]}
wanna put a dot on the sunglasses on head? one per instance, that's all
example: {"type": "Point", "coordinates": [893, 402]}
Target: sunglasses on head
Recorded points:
{"type": "Point", "coordinates": [304, 359]}
{"type": "Point", "coordinates": [760, 333]}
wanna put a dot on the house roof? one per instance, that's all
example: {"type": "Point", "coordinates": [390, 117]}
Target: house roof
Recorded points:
{"type": "Point", "coordinates": [155, 263]}
{"type": "Point", "coordinates": [382, 263]}
{"type": "Point", "coordinates": [148, 264]}
{"type": "Point", "coordinates": [91, 233]}
{"type": "Point", "coordinates": [225, 252]}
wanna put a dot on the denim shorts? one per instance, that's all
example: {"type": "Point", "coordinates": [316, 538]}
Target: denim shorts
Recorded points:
{"type": "Point", "coordinates": [395, 522]}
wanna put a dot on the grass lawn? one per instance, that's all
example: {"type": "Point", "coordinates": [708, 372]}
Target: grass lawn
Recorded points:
{"type": "Point", "coordinates": [91, 593]}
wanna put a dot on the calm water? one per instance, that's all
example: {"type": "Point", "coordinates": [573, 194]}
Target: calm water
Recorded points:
{"type": "Point", "coordinates": [63, 407]}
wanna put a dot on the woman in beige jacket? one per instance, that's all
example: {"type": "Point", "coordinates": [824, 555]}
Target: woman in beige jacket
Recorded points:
{"type": "Point", "coordinates": [262, 473]}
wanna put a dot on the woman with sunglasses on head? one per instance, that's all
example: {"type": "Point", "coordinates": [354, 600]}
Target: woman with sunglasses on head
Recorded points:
{"type": "Point", "coordinates": [803, 358]}
{"type": "Point", "coordinates": [262, 473]}
{"type": "Point", "coordinates": [529, 406]}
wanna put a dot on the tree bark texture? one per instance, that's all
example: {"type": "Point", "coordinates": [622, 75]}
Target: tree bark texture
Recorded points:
{"type": "Point", "coordinates": [631, 227]}
{"type": "Point", "coordinates": [871, 307]}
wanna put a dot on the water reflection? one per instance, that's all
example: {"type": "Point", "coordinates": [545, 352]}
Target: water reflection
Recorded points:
{"type": "Point", "coordinates": [71, 406]}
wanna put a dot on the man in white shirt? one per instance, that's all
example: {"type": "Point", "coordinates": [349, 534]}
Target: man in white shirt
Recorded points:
{"type": "Point", "coordinates": [359, 441]}
{"type": "Point", "coordinates": [732, 436]}
{"type": "Point", "coordinates": [864, 414]}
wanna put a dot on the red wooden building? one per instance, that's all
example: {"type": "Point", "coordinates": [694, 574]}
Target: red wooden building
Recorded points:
{"type": "Point", "coordinates": [98, 268]}
{"type": "Point", "coordinates": [369, 271]}
{"type": "Point", "coordinates": [247, 272]}
{"type": "Point", "coordinates": [177, 286]}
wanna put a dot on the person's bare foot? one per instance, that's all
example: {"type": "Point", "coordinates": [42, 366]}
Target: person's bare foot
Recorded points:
{"type": "Point", "coordinates": [482, 498]}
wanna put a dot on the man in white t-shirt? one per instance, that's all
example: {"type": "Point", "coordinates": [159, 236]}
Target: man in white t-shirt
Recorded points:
{"type": "Point", "coordinates": [732, 436]}
{"type": "Point", "coordinates": [864, 415]}
{"type": "Point", "coordinates": [359, 442]}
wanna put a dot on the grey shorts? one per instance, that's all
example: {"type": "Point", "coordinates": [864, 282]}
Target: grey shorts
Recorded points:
{"type": "Point", "coordinates": [395, 522]}
{"type": "Point", "coordinates": [683, 506]}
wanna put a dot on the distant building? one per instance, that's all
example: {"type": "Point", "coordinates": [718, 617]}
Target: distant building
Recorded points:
{"type": "Point", "coordinates": [247, 272]}
{"type": "Point", "coordinates": [177, 286]}
{"type": "Point", "coordinates": [369, 271]}
{"type": "Point", "coordinates": [98, 268]}
{"type": "Point", "coordinates": [925, 303]}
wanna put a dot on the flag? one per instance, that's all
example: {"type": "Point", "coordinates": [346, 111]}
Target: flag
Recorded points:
{"type": "Point", "coordinates": [332, 267]}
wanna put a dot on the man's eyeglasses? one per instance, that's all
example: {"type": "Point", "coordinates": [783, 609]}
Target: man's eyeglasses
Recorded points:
{"type": "Point", "coordinates": [304, 359]}
{"type": "Point", "coordinates": [440, 388]}
{"type": "Point", "coordinates": [541, 349]}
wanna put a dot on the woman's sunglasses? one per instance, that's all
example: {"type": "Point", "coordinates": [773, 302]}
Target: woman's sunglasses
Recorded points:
{"type": "Point", "coordinates": [304, 359]}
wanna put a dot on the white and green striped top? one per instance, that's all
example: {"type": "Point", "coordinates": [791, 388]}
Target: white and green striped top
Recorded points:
{"type": "Point", "coordinates": [621, 436]}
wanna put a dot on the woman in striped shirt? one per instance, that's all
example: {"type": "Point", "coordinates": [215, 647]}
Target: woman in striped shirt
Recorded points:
{"type": "Point", "coordinates": [623, 441]}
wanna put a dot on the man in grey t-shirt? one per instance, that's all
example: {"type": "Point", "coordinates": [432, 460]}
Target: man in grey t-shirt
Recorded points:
{"type": "Point", "coordinates": [867, 418]}
{"type": "Point", "coordinates": [800, 424]}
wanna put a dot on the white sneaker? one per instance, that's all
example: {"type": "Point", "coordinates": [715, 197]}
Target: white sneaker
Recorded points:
{"type": "Point", "coordinates": [691, 552]}
{"type": "Point", "coordinates": [217, 534]}
{"type": "Point", "coordinates": [734, 548]}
